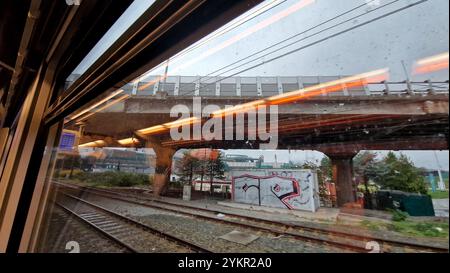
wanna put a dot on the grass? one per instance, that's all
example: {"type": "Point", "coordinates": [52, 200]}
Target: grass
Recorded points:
{"type": "Point", "coordinates": [84, 183]}
{"type": "Point", "coordinates": [372, 225]}
{"type": "Point", "coordinates": [108, 179]}
{"type": "Point", "coordinates": [438, 194]}
{"type": "Point", "coordinates": [423, 229]}
{"type": "Point", "coordinates": [411, 228]}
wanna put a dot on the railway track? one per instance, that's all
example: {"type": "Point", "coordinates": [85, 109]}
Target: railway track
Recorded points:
{"type": "Point", "coordinates": [327, 237]}
{"type": "Point", "coordinates": [66, 231]}
{"type": "Point", "coordinates": [95, 226]}
{"type": "Point", "coordinates": [132, 235]}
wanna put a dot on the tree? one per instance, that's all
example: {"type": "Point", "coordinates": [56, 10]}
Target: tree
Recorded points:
{"type": "Point", "coordinates": [324, 174]}
{"type": "Point", "coordinates": [363, 163]}
{"type": "Point", "coordinates": [326, 169]}
{"type": "Point", "coordinates": [215, 168]}
{"type": "Point", "coordinates": [209, 167]}
{"type": "Point", "coordinates": [188, 167]}
{"type": "Point", "coordinates": [399, 173]}
{"type": "Point", "coordinates": [364, 166]}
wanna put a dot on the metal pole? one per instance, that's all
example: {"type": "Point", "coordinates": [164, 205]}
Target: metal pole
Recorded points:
{"type": "Point", "coordinates": [166, 71]}
{"type": "Point", "coordinates": [259, 191]}
{"type": "Point", "coordinates": [408, 81]}
{"type": "Point", "coordinates": [441, 180]}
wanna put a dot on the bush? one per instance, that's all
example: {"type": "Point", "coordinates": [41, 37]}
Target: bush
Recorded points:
{"type": "Point", "coordinates": [398, 215]}
{"type": "Point", "coordinates": [176, 185]}
{"type": "Point", "coordinates": [82, 176]}
{"type": "Point", "coordinates": [66, 173]}
{"type": "Point", "coordinates": [399, 173]}
{"type": "Point", "coordinates": [114, 179]}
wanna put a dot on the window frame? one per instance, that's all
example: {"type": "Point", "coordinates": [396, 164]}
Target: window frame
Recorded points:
{"type": "Point", "coordinates": [24, 226]}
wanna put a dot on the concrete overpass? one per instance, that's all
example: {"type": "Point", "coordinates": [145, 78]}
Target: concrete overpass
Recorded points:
{"type": "Point", "coordinates": [376, 116]}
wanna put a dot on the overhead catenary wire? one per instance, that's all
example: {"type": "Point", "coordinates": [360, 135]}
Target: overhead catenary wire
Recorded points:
{"type": "Point", "coordinates": [290, 38]}
{"type": "Point", "coordinates": [316, 42]}
{"type": "Point", "coordinates": [224, 31]}
{"type": "Point", "coordinates": [295, 42]}
{"type": "Point", "coordinates": [320, 40]}
{"type": "Point", "coordinates": [260, 11]}
{"type": "Point", "coordinates": [285, 40]}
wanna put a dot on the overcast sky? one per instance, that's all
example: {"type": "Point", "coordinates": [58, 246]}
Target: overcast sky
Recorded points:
{"type": "Point", "coordinates": [406, 36]}
{"type": "Point", "coordinates": [425, 159]}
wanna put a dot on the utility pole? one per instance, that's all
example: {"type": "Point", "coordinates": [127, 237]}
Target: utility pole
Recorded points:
{"type": "Point", "coordinates": [408, 80]}
{"type": "Point", "coordinates": [441, 180]}
{"type": "Point", "coordinates": [165, 75]}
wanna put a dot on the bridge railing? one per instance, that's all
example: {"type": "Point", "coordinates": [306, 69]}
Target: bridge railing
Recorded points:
{"type": "Point", "coordinates": [409, 88]}
{"type": "Point", "coordinates": [269, 86]}
{"type": "Point", "coordinates": [180, 86]}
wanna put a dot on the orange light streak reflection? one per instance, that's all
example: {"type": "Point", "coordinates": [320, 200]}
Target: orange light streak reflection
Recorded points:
{"type": "Point", "coordinates": [432, 64]}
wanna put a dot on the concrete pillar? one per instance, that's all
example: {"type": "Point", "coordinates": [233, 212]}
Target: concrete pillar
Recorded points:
{"type": "Point", "coordinates": [342, 167]}
{"type": "Point", "coordinates": [163, 167]}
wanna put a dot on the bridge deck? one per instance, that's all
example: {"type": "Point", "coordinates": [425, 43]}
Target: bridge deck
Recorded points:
{"type": "Point", "coordinates": [367, 115]}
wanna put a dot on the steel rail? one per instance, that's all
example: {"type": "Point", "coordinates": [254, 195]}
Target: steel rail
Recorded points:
{"type": "Point", "coordinates": [97, 228]}
{"type": "Point", "coordinates": [356, 247]}
{"type": "Point", "coordinates": [283, 225]}
{"type": "Point", "coordinates": [164, 235]}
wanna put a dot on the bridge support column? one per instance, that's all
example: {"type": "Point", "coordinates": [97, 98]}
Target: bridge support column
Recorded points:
{"type": "Point", "coordinates": [342, 168]}
{"type": "Point", "coordinates": [163, 167]}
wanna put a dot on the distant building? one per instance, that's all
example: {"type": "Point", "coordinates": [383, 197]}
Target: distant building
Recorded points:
{"type": "Point", "coordinates": [125, 160]}
{"type": "Point", "coordinates": [242, 161]}
{"type": "Point", "coordinates": [219, 186]}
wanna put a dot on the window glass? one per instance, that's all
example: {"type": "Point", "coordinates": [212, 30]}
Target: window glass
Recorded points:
{"type": "Point", "coordinates": [136, 9]}
{"type": "Point", "coordinates": [300, 126]}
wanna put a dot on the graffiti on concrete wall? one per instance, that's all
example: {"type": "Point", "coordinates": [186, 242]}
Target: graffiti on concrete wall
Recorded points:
{"type": "Point", "coordinates": [278, 189]}
{"type": "Point", "coordinates": [304, 180]}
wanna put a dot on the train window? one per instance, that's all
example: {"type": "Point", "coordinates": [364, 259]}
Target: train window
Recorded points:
{"type": "Point", "coordinates": [324, 123]}
{"type": "Point", "coordinates": [136, 9]}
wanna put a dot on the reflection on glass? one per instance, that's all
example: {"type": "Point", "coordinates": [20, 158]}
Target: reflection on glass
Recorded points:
{"type": "Point", "coordinates": [133, 12]}
{"type": "Point", "coordinates": [332, 118]}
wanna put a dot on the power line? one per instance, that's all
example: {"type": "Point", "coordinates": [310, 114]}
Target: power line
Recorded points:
{"type": "Point", "coordinates": [323, 39]}
{"type": "Point", "coordinates": [222, 32]}
{"type": "Point", "coordinates": [317, 33]}
{"type": "Point", "coordinates": [291, 37]}
{"type": "Point", "coordinates": [337, 34]}
{"type": "Point", "coordinates": [219, 33]}
{"type": "Point", "coordinates": [319, 41]}
{"type": "Point", "coordinates": [281, 42]}
{"type": "Point", "coordinates": [297, 41]}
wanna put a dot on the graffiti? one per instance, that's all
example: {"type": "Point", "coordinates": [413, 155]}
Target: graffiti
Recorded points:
{"type": "Point", "coordinates": [269, 191]}
{"type": "Point", "coordinates": [291, 189]}
{"type": "Point", "coordinates": [287, 197]}
{"type": "Point", "coordinates": [290, 174]}
{"type": "Point", "coordinates": [246, 187]}
{"type": "Point", "coordinates": [306, 202]}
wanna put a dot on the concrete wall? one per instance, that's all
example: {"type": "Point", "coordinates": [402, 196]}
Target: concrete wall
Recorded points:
{"type": "Point", "coordinates": [279, 188]}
